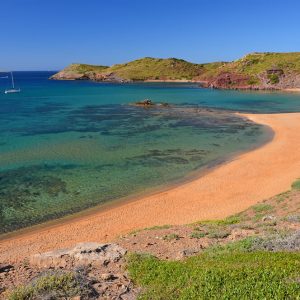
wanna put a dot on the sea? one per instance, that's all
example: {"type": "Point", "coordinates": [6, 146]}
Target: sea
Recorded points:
{"type": "Point", "coordinates": [67, 146]}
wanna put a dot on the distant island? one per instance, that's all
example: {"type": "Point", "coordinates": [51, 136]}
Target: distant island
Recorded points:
{"type": "Point", "coordinates": [255, 71]}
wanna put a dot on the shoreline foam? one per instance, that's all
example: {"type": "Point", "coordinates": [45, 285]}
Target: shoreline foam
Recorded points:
{"type": "Point", "coordinates": [228, 189]}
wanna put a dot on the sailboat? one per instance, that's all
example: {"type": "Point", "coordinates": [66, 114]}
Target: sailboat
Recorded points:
{"type": "Point", "coordinates": [13, 89]}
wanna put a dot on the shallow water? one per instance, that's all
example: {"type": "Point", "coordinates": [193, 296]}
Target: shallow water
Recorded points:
{"type": "Point", "coordinates": [67, 146]}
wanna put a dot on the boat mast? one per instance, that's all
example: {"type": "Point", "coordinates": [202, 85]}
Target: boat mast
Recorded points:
{"type": "Point", "coordinates": [12, 80]}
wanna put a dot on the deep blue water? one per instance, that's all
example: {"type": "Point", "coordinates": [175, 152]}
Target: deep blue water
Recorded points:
{"type": "Point", "coordinates": [69, 145]}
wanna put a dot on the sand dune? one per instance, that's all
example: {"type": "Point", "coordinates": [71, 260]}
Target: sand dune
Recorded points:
{"type": "Point", "coordinates": [228, 189]}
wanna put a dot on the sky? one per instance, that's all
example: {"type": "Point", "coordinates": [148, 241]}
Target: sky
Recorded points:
{"type": "Point", "coordinates": [50, 34]}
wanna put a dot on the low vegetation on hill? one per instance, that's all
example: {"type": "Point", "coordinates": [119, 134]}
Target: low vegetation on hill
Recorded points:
{"type": "Point", "coordinates": [254, 275]}
{"type": "Point", "coordinates": [254, 71]}
{"type": "Point", "coordinates": [161, 69]}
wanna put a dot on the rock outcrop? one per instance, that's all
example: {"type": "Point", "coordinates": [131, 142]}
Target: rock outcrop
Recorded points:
{"type": "Point", "coordinates": [81, 254]}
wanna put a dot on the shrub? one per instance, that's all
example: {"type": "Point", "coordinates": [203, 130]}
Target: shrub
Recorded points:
{"type": "Point", "coordinates": [218, 234]}
{"type": "Point", "coordinates": [198, 234]}
{"type": "Point", "coordinates": [296, 185]}
{"type": "Point", "coordinates": [171, 236]}
{"type": "Point", "coordinates": [55, 285]}
{"type": "Point", "coordinates": [253, 81]}
{"type": "Point", "coordinates": [274, 78]}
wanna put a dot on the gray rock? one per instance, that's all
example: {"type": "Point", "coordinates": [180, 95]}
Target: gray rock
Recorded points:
{"type": "Point", "coordinates": [81, 254]}
{"type": "Point", "coordinates": [93, 252]}
{"type": "Point", "coordinates": [186, 253]}
{"type": "Point", "coordinates": [269, 218]}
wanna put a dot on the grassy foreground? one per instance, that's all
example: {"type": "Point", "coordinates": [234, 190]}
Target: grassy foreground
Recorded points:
{"type": "Point", "coordinates": [223, 275]}
{"type": "Point", "coordinates": [251, 255]}
{"type": "Point", "coordinates": [265, 265]}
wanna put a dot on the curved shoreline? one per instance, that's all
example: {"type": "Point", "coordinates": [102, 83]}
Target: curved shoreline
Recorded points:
{"type": "Point", "coordinates": [228, 189]}
{"type": "Point", "coordinates": [267, 137]}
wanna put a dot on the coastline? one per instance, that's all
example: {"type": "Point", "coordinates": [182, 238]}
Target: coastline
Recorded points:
{"type": "Point", "coordinates": [191, 176]}
{"type": "Point", "coordinates": [171, 80]}
{"type": "Point", "coordinates": [214, 195]}
{"type": "Point", "coordinates": [292, 90]}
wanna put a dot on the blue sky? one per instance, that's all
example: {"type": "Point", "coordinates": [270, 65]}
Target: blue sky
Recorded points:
{"type": "Point", "coordinates": [50, 34]}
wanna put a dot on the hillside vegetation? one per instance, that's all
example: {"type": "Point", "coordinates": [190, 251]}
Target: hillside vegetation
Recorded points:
{"type": "Point", "coordinates": [161, 69]}
{"type": "Point", "coordinates": [254, 71]}
{"type": "Point", "coordinates": [261, 70]}
{"type": "Point", "coordinates": [141, 69]}
{"type": "Point", "coordinates": [256, 275]}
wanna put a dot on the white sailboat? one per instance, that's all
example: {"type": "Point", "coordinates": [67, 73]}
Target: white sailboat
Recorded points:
{"type": "Point", "coordinates": [13, 89]}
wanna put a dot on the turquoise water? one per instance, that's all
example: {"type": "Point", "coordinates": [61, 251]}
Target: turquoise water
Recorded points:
{"type": "Point", "coordinates": [69, 145]}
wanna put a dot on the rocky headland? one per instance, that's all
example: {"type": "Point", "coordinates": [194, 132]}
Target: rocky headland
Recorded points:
{"type": "Point", "coordinates": [255, 71]}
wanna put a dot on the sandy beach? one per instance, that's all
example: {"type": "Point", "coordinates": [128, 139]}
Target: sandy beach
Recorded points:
{"type": "Point", "coordinates": [295, 90]}
{"type": "Point", "coordinates": [228, 189]}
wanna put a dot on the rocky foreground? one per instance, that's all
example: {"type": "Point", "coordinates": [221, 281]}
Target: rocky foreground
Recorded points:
{"type": "Point", "coordinates": [256, 71]}
{"type": "Point", "coordinates": [99, 271]}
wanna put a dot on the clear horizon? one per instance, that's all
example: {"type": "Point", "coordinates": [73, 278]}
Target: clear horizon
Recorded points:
{"type": "Point", "coordinates": [51, 35]}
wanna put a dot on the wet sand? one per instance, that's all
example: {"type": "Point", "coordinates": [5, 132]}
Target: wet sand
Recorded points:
{"type": "Point", "coordinates": [228, 189]}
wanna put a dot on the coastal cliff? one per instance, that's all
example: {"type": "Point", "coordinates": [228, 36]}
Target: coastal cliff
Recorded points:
{"type": "Point", "coordinates": [258, 71]}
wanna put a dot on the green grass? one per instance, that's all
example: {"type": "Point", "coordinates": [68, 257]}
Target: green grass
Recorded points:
{"type": "Point", "coordinates": [158, 227]}
{"type": "Point", "coordinates": [262, 208]}
{"type": "Point", "coordinates": [198, 234]}
{"type": "Point", "coordinates": [84, 68]}
{"type": "Point", "coordinates": [225, 275]}
{"type": "Point", "coordinates": [296, 185]}
{"type": "Point", "coordinates": [228, 221]}
{"type": "Point", "coordinates": [58, 286]}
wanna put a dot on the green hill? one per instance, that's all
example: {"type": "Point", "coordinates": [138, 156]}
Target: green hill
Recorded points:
{"type": "Point", "coordinates": [259, 70]}
{"type": "Point", "coordinates": [160, 69]}
{"type": "Point", "coordinates": [147, 68]}
{"type": "Point", "coordinates": [254, 71]}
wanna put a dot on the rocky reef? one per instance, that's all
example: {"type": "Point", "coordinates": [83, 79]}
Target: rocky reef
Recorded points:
{"type": "Point", "coordinates": [149, 103]}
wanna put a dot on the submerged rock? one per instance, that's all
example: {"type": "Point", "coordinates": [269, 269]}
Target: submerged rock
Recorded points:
{"type": "Point", "coordinates": [145, 102]}
{"type": "Point", "coordinates": [150, 103]}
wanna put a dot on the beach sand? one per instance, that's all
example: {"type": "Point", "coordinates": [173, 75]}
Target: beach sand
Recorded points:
{"type": "Point", "coordinates": [295, 90]}
{"type": "Point", "coordinates": [228, 189]}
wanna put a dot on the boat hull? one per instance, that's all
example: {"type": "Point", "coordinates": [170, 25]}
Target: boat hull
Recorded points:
{"type": "Point", "coordinates": [11, 91]}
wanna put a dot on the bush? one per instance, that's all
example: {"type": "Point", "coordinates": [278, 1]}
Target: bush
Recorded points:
{"type": "Point", "coordinates": [198, 234]}
{"type": "Point", "coordinates": [296, 185]}
{"type": "Point", "coordinates": [171, 236]}
{"type": "Point", "coordinates": [218, 233]}
{"type": "Point", "coordinates": [55, 285]}
{"type": "Point", "coordinates": [274, 78]}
